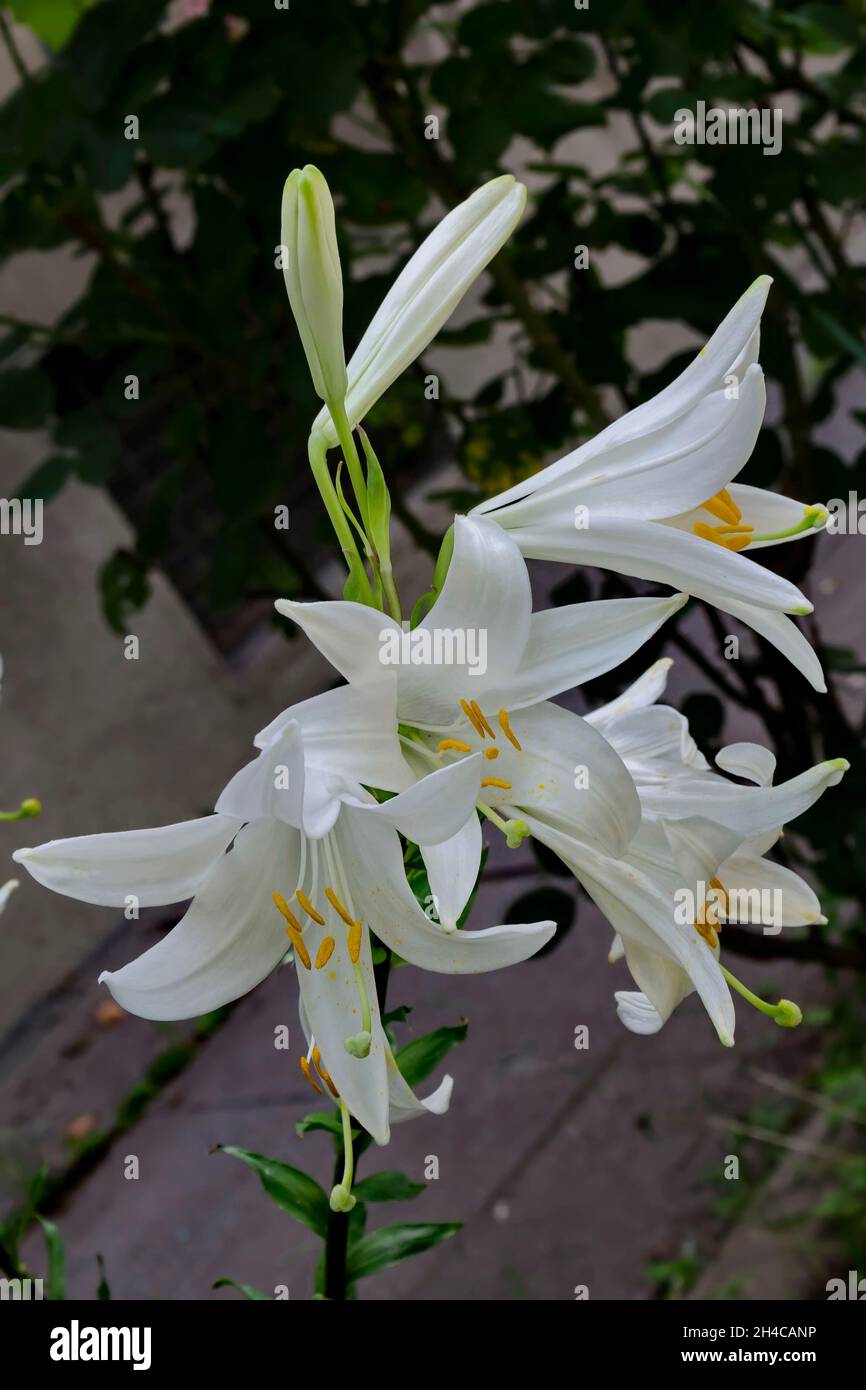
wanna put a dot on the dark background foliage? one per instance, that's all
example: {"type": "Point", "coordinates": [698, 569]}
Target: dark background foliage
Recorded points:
{"type": "Point", "coordinates": [228, 101]}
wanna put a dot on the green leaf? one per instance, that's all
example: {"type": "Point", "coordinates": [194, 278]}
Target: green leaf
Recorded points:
{"type": "Point", "coordinates": [391, 1244]}
{"type": "Point", "coordinates": [387, 1187]}
{"type": "Point", "coordinates": [293, 1191]}
{"type": "Point", "coordinates": [421, 1056]}
{"type": "Point", "coordinates": [51, 20]}
{"type": "Point", "coordinates": [47, 479]}
{"type": "Point", "coordinates": [378, 503]}
{"type": "Point", "coordinates": [26, 398]}
{"type": "Point", "coordinates": [248, 1290]}
{"type": "Point", "coordinates": [56, 1260]}
{"type": "Point", "coordinates": [320, 1120]}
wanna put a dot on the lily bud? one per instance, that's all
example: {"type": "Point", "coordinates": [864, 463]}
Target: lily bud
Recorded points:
{"type": "Point", "coordinates": [314, 280]}
{"type": "Point", "coordinates": [426, 293]}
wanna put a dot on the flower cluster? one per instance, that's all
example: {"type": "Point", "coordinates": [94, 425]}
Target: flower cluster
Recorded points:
{"type": "Point", "coordinates": [303, 858]}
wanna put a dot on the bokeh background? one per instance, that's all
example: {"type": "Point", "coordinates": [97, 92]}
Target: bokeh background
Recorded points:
{"type": "Point", "coordinates": [152, 258]}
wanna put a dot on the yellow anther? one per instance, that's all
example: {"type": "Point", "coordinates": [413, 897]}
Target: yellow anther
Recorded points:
{"type": "Point", "coordinates": [455, 744]}
{"type": "Point", "coordinates": [506, 728]}
{"type": "Point", "coordinates": [325, 1075]}
{"type": "Point", "coordinates": [479, 715]}
{"type": "Point", "coordinates": [723, 506]}
{"type": "Point", "coordinates": [491, 753]}
{"type": "Point", "coordinates": [706, 931]}
{"type": "Point", "coordinates": [722, 535]}
{"type": "Point", "coordinates": [720, 888]}
{"type": "Point", "coordinates": [308, 1073]}
{"type": "Point", "coordinates": [472, 717]}
{"type": "Point", "coordinates": [496, 782]}
{"type": "Point", "coordinates": [325, 951]}
{"type": "Point", "coordinates": [339, 908]}
{"type": "Point", "coordinates": [308, 907]}
{"type": "Point", "coordinates": [354, 941]}
{"type": "Point", "coordinates": [282, 906]}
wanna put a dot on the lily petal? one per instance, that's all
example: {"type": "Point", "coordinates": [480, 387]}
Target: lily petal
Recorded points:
{"type": "Point", "coordinates": [748, 880]}
{"type": "Point", "coordinates": [272, 785]}
{"type": "Point", "coordinates": [452, 871]}
{"type": "Point", "coordinates": [747, 810]}
{"type": "Point", "coordinates": [371, 852]}
{"type": "Point", "coordinates": [783, 633]}
{"type": "Point", "coordinates": [405, 1105]}
{"type": "Point", "coordinates": [571, 645]}
{"type": "Point", "coordinates": [644, 691]}
{"type": "Point", "coordinates": [166, 864]}
{"type": "Point", "coordinates": [436, 807]}
{"type": "Point", "coordinates": [230, 938]}
{"type": "Point", "coordinates": [749, 760]}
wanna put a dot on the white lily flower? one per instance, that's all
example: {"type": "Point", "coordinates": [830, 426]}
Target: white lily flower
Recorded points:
{"type": "Point", "coordinates": [313, 277]}
{"type": "Point", "coordinates": [652, 496]}
{"type": "Point", "coordinates": [702, 832]}
{"type": "Point", "coordinates": [548, 761]}
{"type": "Point", "coordinates": [6, 892]}
{"type": "Point", "coordinates": [314, 855]}
{"type": "Point", "coordinates": [426, 293]}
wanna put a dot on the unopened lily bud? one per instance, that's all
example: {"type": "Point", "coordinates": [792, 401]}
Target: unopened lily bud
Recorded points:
{"type": "Point", "coordinates": [314, 280]}
{"type": "Point", "coordinates": [426, 293]}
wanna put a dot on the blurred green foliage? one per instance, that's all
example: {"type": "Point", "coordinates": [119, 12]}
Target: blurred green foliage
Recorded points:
{"type": "Point", "coordinates": [178, 230]}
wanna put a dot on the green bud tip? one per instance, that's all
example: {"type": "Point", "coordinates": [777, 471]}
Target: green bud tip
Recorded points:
{"type": "Point", "coordinates": [341, 1198]}
{"type": "Point", "coordinates": [516, 832]}
{"type": "Point", "coordinates": [31, 807]}
{"type": "Point", "coordinates": [788, 1014]}
{"type": "Point", "coordinates": [359, 1046]}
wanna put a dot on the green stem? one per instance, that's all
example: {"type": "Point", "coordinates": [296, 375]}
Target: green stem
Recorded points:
{"type": "Point", "coordinates": [386, 574]}
{"type": "Point", "coordinates": [319, 465]}
{"type": "Point", "coordinates": [350, 454]}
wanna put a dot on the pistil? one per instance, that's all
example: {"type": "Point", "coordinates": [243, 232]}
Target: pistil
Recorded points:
{"type": "Point", "coordinates": [786, 1013]}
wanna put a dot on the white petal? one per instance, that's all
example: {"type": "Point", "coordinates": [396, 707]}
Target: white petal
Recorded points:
{"type": "Point", "coordinates": [350, 732]}
{"type": "Point", "coordinates": [486, 590]}
{"type": "Point", "coordinates": [664, 474]}
{"type": "Point", "coordinates": [330, 997]}
{"type": "Point", "coordinates": [350, 636]}
{"type": "Point", "coordinates": [165, 864]}
{"type": "Point", "coordinates": [436, 807]}
{"type": "Point", "coordinates": [6, 892]}
{"type": "Point", "coordinates": [644, 915]}
{"type": "Point", "coordinates": [747, 810]}
{"type": "Point", "coordinates": [452, 871]}
{"type": "Point", "coordinates": [427, 291]}
{"type": "Point", "coordinates": [652, 550]}
{"type": "Point", "coordinates": [230, 938]}
{"type": "Point", "coordinates": [617, 949]}
{"type": "Point", "coordinates": [655, 744]}
{"type": "Point", "coordinates": [644, 691]}
{"type": "Point", "coordinates": [371, 852]}
{"type": "Point", "coordinates": [660, 980]}
{"type": "Point", "coordinates": [637, 1013]}
{"type": "Point", "coordinates": [769, 512]}
{"type": "Point", "coordinates": [730, 349]}
{"type": "Point", "coordinates": [768, 894]}
{"type": "Point", "coordinates": [784, 635]}
{"type": "Point", "coordinates": [272, 785]}
{"type": "Point", "coordinates": [568, 775]}
{"type": "Point", "coordinates": [749, 760]}
{"type": "Point", "coordinates": [405, 1105]}
{"type": "Point", "coordinates": [568, 646]}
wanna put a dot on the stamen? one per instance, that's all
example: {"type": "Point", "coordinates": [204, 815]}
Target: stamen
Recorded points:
{"type": "Point", "coordinates": [325, 951]}
{"type": "Point", "coordinates": [479, 714]}
{"type": "Point", "coordinates": [308, 907]}
{"type": "Point", "coordinates": [339, 908]}
{"type": "Point", "coordinates": [324, 1074]}
{"type": "Point", "coordinates": [721, 535]}
{"type": "Point", "coordinates": [491, 753]}
{"type": "Point", "coordinates": [496, 782]}
{"type": "Point", "coordinates": [786, 1013]}
{"type": "Point", "coordinates": [308, 1073]}
{"type": "Point", "coordinates": [723, 506]}
{"type": "Point", "coordinates": [293, 929]}
{"type": "Point", "coordinates": [720, 888]}
{"type": "Point", "coordinates": [505, 726]}
{"type": "Point", "coordinates": [472, 717]}
{"type": "Point", "coordinates": [455, 744]}
{"type": "Point", "coordinates": [354, 942]}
